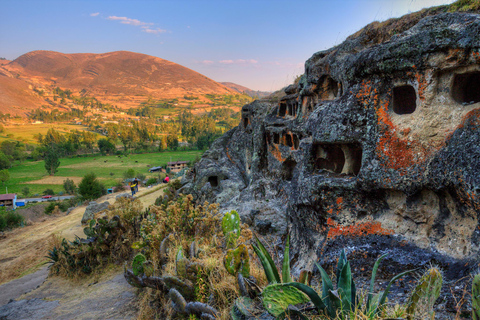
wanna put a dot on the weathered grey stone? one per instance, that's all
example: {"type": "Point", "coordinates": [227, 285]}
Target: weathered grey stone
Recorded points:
{"type": "Point", "coordinates": [92, 209]}
{"type": "Point", "coordinates": [123, 195]}
{"type": "Point", "coordinates": [27, 309]}
{"type": "Point", "coordinates": [379, 138]}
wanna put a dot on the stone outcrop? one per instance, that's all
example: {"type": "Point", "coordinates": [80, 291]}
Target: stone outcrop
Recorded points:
{"type": "Point", "coordinates": [93, 208]}
{"type": "Point", "coordinates": [376, 148]}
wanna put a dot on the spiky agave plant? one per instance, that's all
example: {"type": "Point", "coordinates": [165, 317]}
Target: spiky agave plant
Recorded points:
{"type": "Point", "coordinates": [476, 297]}
{"type": "Point", "coordinates": [343, 299]}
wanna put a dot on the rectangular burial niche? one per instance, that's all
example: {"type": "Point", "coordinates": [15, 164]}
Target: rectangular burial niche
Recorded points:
{"type": "Point", "coordinates": [466, 87]}
{"type": "Point", "coordinates": [213, 181]}
{"type": "Point", "coordinates": [287, 169]}
{"type": "Point", "coordinates": [291, 108]}
{"type": "Point", "coordinates": [330, 89]}
{"type": "Point", "coordinates": [341, 158]}
{"type": "Point", "coordinates": [245, 122]}
{"type": "Point", "coordinates": [296, 141]}
{"type": "Point", "coordinates": [282, 109]}
{"type": "Point", "coordinates": [288, 140]}
{"type": "Point", "coordinates": [404, 99]}
{"type": "Point", "coordinates": [276, 138]}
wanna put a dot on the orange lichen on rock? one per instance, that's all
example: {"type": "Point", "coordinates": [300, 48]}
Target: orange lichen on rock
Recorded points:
{"type": "Point", "coordinates": [473, 116]}
{"type": "Point", "coordinates": [366, 94]}
{"type": "Point", "coordinates": [356, 230]}
{"type": "Point", "coordinates": [422, 84]}
{"type": "Point", "coordinates": [229, 156]}
{"type": "Point", "coordinates": [276, 153]}
{"type": "Point", "coordinates": [397, 153]}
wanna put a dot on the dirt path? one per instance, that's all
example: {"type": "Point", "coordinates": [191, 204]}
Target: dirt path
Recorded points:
{"type": "Point", "coordinates": [23, 251]}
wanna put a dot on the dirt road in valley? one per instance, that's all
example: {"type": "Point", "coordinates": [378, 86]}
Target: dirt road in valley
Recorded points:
{"type": "Point", "coordinates": [23, 251]}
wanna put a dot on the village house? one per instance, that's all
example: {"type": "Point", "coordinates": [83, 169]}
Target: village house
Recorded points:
{"type": "Point", "coordinates": [8, 200]}
{"type": "Point", "coordinates": [176, 166]}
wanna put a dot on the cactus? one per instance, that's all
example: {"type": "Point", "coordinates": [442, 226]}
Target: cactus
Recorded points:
{"type": "Point", "coordinates": [237, 260]}
{"type": "Point", "coordinates": [476, 297]}
{"type": "Point", "coordinates": [148, 268]}
{"type": "Point", "coordinates": [163, 248]}
{"type": "Point", "coordinates": [277, 298]}
{"type": "Point", "coordinates": [193, 250]}
{"type": "Point", "coordinates": [242, 309]}
{"type": "Point", "coordinates": [178, 300]}
{"type": "Point", "coordinates": [425, 293]}
{"type": "Point", "coordinates": [137, 264]}
{"type": "Point", "coordinates": [89, 231]}
{"type": "Point", "coordinates": [241, 285]}
{"type": "Point", "coordinates": [231, 228]}
{"type": "Point", "coordinates": [180, 305]}
{"type": "Point", "coordinates": [181, 263]}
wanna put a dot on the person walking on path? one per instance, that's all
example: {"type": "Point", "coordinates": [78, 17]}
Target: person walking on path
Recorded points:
{"type": "Point", "coordinates": [136, 185]}
{"type": "Point", "coordinates": [132, 187]}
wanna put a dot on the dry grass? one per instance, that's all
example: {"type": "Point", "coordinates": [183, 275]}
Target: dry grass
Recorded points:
{"type": "Point", "coordinates": [55, 180]}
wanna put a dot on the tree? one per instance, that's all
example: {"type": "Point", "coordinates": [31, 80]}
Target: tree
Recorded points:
{"type": "Point", "coordinates": [26, 191]}
{"type": "Point", "coordinates": [51, 161]}
{"type": "Point", "coordinates": [90, 188]}
{"type": "Point", "coordinates": [4, 161]}
{"type": "Point", "coordinates": [69, 186]}
{"type": "Point", "coordinates": [162, 145]}
{"type": "Point", "coordinates": [106, 146]}
{"type": "Point", "coordinates": [4, 176]}
{"type": "Point", "coordinates": [129, 174]}
{"type": "Point", "coordinates": [172, 141]}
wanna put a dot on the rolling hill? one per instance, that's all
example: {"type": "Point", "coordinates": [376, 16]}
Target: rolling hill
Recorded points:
{"type": "Point", "coordinates": [241, 89]}
{"type": "Point", "coordinates": [121, 78]}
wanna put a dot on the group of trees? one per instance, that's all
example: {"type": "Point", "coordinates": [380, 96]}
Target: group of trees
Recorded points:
{"type": "Point", "coordinates": [199, 131]}
{"type": "Point", "coordinates": [55, 115]}
{"type": "Point", "coordinates": [67, 144]}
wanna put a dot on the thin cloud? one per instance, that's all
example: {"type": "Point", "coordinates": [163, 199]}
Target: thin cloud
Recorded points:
{"type": "Point", "coordinates": [238, 61]}
{"type": "Point", "coordinates": [153, 30]}
{"type": "Point", "coordinates": [207, 62]}
{"type": "Point", "coordinates": [132, 22]}
{"type": "Point", "coordinates": [94, 14]}
{"type": "Point", "coordinates": [147, 27]}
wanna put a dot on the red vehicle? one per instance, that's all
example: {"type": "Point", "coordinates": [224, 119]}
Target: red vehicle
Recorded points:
{"type": "Point", "coordinates": [46, 197]}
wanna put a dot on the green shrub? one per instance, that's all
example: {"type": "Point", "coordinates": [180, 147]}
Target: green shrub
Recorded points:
{"type": "Point", "coordinates": [51, 206]}
{"type": "Point", "coordinates": [48, 192]}
{"type": "Point", "coordinates": [140, 176]}
{"type": "Point", "coordinates": [9, 219]}
{"type": "Point", "coordinates": [151, 181]}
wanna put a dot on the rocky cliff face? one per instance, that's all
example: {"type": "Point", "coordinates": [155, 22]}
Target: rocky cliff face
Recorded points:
{"type": "Point", "coordinates": [377, 148]}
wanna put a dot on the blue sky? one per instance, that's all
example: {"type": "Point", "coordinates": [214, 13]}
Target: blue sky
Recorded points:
{"type": "Point", "coordinates": [256, 43]}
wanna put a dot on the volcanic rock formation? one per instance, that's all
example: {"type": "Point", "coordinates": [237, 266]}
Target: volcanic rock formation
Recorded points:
{"type": "Point", "coordinates": [376, 149]}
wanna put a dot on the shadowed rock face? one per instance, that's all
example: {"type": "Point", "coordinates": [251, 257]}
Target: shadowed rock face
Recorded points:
{"type": "Point", "coordinates": [376, 148]}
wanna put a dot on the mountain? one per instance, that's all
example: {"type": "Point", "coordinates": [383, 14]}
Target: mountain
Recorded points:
{"type": "Point", "coordinates": [121, 78]}
{"type": "Point", "coordinates": [245, 90]}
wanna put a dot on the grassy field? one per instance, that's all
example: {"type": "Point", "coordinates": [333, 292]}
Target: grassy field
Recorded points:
{"type": "Point", "coordinates": [25, 132]}
{"type": "Point", "coordinates": [109, 169]}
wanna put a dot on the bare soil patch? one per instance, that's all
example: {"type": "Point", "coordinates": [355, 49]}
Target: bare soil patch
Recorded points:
{"type": "Point", "coordinates": [54, 180]}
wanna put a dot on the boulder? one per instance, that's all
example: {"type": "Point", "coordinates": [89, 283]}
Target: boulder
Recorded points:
{"type": "Point", "coordinates": [93, 208]}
